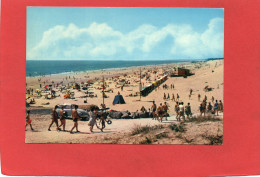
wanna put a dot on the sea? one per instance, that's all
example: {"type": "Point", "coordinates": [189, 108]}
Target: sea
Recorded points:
{"type": "Point", "coordinates": [47, 67]}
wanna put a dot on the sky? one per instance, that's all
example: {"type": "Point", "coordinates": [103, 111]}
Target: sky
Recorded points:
{"type": "Point", "coordinates": [102, 33]}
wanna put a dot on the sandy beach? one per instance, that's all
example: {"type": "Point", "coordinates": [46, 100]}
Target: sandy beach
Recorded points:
{"type": "Point", "coordinates": [206, 73]}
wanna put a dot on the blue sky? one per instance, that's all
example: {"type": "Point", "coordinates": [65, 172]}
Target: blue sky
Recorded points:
{"type": "Point", "coordinates": [88, 33]}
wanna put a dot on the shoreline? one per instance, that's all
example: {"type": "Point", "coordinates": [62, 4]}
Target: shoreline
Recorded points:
{"type": "Point", "coordinates": [117, 69]}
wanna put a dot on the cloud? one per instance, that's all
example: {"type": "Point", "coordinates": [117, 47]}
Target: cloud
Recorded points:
{"type": "Point", "coordinates": [100, 41]}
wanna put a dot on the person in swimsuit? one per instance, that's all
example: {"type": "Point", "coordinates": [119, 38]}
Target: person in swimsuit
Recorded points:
{"type": "Point", "coordinates": [204, 105]}
{"type": "Point", "coordinates": [160, 112]}
{"type": "Point", "coordinates": [201, 109]}
{"type": "Point", "coordinates": [173, 97]}
{"type": "Point", "coordinates": [177, 111]}
{"type": "Point", "coordinates": [181, 111]}
{"type": "Point", "coordinates": [154, 107]}
{"type": "Point", "coordinates": [54, 118]}
{"type": "Point", "coordinates": [220, 106]}
{"type": "Point", "coordinates": [92, 120]}
{"type": "Point", "coordinates": [28, 120]}
{"type": "Point", "coordinates": [188, 110]}
{"type": "Point", "coordinates": [62, 118]}
{"type": "Point", "coordinates": [165, 108]}
{"type": "Point", "coordinates": [216, 107]}
{"type": "Point", "coordinates": [209, 108]}
{"type": "Point", "coordinates": [75, 118]}
{"type": "Point", "coordinates": [102, 122]}
{"type": "Point", "coordinates": [212, 99]}
{"type": "Point", "coordinates": [178, 97]}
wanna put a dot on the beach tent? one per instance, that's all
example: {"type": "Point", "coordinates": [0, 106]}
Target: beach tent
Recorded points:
{"type": "Point", "coordinates": [119, 100]}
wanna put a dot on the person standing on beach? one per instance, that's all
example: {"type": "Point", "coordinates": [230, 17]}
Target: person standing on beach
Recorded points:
{"type": "Point", "coordinates": [216, 107]}
{"type": "Point", "coordinates": [178, 97]}
{"type": "Point", "coordinates": [212, 99]}
{"type": "Point", "coordinates": [165, 109]}
{"type": "Point", "coordinates": [220, 106]}
{"type": "Point", "coordinates": [28, 120]}
{"type": "Point", "coordinates": [204, 105]}
{"type": "Point", "coordinates": [201, 109]}
{"type": "Point", "coordinates": [173, 97]}
{"type": "Point", "coordinates": [168, 97]}
{"type": "Point", "coordinates": [209, 108]}
{"type": "Point", "coordinates": [205, 98]}
{"type": "Point", "coordinates": [62, 118]}
{"type": "Point", "coordinates": [164, 96]}
{"type": "Point", "coordinates": [54, 118]}
{"type": "Point", "coordinates": [92, 120]}
{"type": "Point", "coordinates": [75, 118]}
{"type": "Point", "coordinates": [154, 107]}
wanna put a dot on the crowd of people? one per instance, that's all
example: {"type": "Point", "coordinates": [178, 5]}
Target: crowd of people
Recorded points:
{"type": "Point", "coordinates": [75, 118]}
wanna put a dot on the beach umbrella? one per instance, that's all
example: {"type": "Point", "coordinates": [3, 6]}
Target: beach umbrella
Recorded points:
{"type": "Point", "coordinates": [46, 86]}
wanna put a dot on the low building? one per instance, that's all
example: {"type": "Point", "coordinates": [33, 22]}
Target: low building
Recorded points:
{"type": "Point", "coordinates": [183, 72]}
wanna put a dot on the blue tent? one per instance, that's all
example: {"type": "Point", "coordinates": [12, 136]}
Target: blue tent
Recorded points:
{"type": "Point", "coordinates": [119, 100]}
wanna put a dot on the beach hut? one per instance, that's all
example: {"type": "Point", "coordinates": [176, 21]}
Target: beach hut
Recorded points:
{"type": "Point", "coordinates": [119, 99]}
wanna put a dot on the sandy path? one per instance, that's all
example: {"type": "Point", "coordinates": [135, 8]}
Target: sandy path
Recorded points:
{"type": "Point", "coordinates": [42, 135]}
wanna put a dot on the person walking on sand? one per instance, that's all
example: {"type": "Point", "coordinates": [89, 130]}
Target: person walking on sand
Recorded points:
{"type": "Point", "coordinates": [173, 97]}
{"type": "Point", "coordinates": [191, 91]}
{"type": "Point", "coordinates": [62, 118]}
{"type": "Point", "coordinates": [178, 97]}
{"type": "Point", "coordinates": [165, 109]}
{"type": "Point", "coordinates": [92, 120]}
{"type": "Point", "coordinates": [188, 110]}
{"type": "Point", "coordinates": [154, 108]}
{"type": "Point", "coordinates": [164, 96]}
{"type": "Point", "coordinates": [28, 120]}
{"type": "Point", "coordinates": [212, 99]}
{"type": "Point", "coordinates": [177, 111]}
{"type": "Point", "coordinates": [216, 106]}
{"type": "Point", "coordinates": [181, 111]}
{"type": "Point", "coordinates": [160, 112]}
{"type": "Point", "coordinates": [75, 118]}
{"type": "Point", "coordinates": [168, 97]}
{"type": "Point", "coordinates": [102, 122]}
{"type": "Point", "coordinates": [54, 118]}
